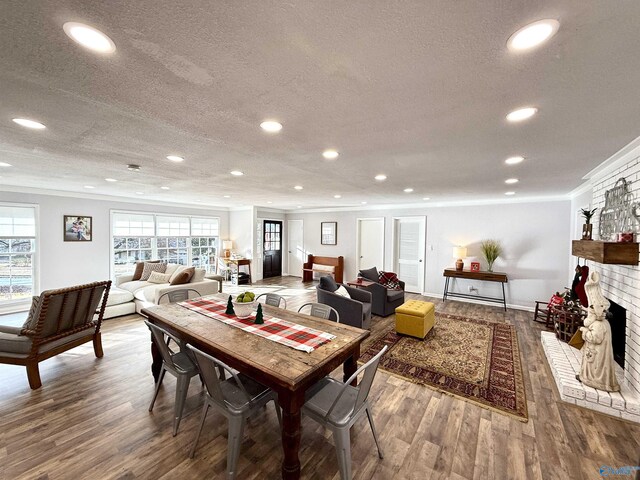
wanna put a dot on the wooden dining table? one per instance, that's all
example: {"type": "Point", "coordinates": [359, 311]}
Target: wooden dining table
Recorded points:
{"type": "Point", "coordinates": [287, 371]}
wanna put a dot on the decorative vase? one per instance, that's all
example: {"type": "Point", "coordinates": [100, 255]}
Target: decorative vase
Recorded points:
{"type": "Point", "coordinates": [587, 231]}
{"type": "Point", "coordinates": [459, 265]}
{"type": "Point", "coordinates": [490, 266]}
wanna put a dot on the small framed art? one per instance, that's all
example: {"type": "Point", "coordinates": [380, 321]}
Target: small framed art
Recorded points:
{"type": "Point", "coordinates": [78, 228]}
{"type": "Point", "coordinates": [475, 266]}
{"type": "Point", "coordinates": [328, 233]}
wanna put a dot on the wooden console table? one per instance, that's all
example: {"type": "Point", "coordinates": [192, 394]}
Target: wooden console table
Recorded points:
{"type": "Point", "coordinates": [450, 273]}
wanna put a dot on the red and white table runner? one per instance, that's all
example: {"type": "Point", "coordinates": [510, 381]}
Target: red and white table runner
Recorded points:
{"type": "Point", "coordinates": [298, 337]}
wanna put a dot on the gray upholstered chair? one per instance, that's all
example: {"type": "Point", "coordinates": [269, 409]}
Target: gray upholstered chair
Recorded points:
{"type": "Point", "coordinates": [354, 311]}
{"type": "Point", "coordinates": [58, 321]}
{"type": "Point", "coordinates": [337, 406]}
{"type": "Point", "coordinates": [384, 300]}
{"type": "Point", "coordinates": [321, 310]}
{"type": "Point", "coordinates": [237, 398]}
{"type": "Point", "coordinates": [179, 364]}
{"type": "Point", "coordinates": [273, 299]}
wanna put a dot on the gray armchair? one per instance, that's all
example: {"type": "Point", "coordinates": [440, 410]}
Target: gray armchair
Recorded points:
{"type": "Point", "coordinates": [354, 311]}
{"type": "Point", "coordinates": [384, 300]}
{"type": "Point", "coordinates": [58, 321]}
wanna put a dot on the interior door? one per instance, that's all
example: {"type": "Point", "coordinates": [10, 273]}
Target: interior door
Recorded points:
{"type": "Point", "coordinates": [272, 241]}
{"type": "Point", "coordinates": [296, 255]}
{"type": "Point", "coordinates": [370, 243]}
{"type": "Point", "coordinates": [409, 251]}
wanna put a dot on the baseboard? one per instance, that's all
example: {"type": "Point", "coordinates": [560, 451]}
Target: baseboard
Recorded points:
{"type": "Point", "coordinates": [480, 302]}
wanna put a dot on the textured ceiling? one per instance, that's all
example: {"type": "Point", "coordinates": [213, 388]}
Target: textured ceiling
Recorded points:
{"type": "Point", "coordinates": [416, 90]}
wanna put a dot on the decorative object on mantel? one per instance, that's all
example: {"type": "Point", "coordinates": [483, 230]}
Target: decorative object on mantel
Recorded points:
{"type": "Point", "coordinates": [613, 253]}
{"type": "Point", "coordinates": [625, 237]}
{"type": "Point", "coordinates": [475, 266]}
{"type": "Point", "coordinates": [598, 366]}
{"type": "Point", "coordinates": [491, 250]}
{"type": "Point", "coordinates": [459, 253]}
{"type": "Point", "coordinates": [577, 286]}
{"type": "Point", "coordinates": [587, 228]}
{"type": "Point", "coordinates": [621, 212]}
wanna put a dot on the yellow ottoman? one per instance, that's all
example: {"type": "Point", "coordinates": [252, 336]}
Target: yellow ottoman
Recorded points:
{"type": "Point", "coordinates": [415, 318]}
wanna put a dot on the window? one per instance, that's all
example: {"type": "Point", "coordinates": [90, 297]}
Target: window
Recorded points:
{"type": "Point", "coordinates": [172, 239]}
{"type": "Point", "coordinates": [17, 252]}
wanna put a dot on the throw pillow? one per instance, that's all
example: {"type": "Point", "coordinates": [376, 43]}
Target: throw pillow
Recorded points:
{"type": "Point", "coordinates": [137, 273]}
{"type": "Point", "coordinates": [157, 277]}
{"type": "Point", "coordinates": [183, 276]}
{"type": "Point", "coordinates": [370, 274]}
{"type": "Point", "coordinates": [151, 267]}
{"type": "Point", "coordinates": [198, 275]}
{"type": "Point", "coordinates": [328, 283]}
{"type": "Point", "coordinates": [171, 268]}
{"type": "Point", "coordinates": [342, 292]}
{"type": "Point", "coordinates": [389, 280]}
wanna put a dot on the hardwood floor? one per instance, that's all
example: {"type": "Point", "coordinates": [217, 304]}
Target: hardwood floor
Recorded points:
{"type": "Point", "coordinates": [90, 420]}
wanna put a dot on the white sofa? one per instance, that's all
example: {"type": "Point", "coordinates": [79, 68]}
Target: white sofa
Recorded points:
{"type": "Point", "coordinates": [132, 296]}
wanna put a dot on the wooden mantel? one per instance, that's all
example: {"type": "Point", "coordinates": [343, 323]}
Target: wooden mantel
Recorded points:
{"type": "Point", "coordinates": [614, 253]}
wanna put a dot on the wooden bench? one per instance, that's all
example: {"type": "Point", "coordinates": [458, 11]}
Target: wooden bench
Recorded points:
{"type": "Point", "coordinates": [336, 262]}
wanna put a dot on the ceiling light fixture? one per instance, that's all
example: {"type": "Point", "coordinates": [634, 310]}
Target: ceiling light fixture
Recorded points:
{"type": "Point", "coordinates": [330, 154]}
{"type": "Point", "coordinates": [514, 160]}
{"type": "Point", "coordinates": [269, 201]}
{"type": "Point", "coordinates": [25, 122]}
{"type": "Point", "coordinates": [110, 180]}
{"type": "Point", "coordinates": [298, 187]}
{"type": "Point", "coordinates": [522, 114]}
{"type": "Point", "coordinates": [337, 196]}
{"type": "Point", "coordinates": [271, 126]}
{"type": "Point", "coordinates": [5, 164]}
{"type": "Point", "coordinates": [510, 181]}
{"type": "Point", "coordinates": [236, 173]}
{"type": "Point", "coordinates": [165, 188]}
{"type": "Point", "coordinates": [299, 206]}
{"type": "Point", "coordinates": [532, 35]}
{"type": "Point", "coordinates": [175, 158]}
{"type": "Point", "coordinates": [139, 193]}
{"type": "Point", "coordinates": [509, 193]}
{"type": "Point", "coordinates": [89, 186]}
{"type": "Point", "coordinates": [363, 203]}
{"type": "Point", "coordinates": [380, 178]}
{"type": "Point", "coordinates": [133, 167]}
{"type": "Point", "coordinates": [227, 196]}
{"type": "Point", "coordinates": [426, 198]}
{"type": "Point", "coordinates": [89, 37]}
{"type": "Point", "coordinates": [408, 190]}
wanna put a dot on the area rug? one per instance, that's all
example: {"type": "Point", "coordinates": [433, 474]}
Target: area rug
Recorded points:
{"type": "Point", "coordinates": [476, 360]}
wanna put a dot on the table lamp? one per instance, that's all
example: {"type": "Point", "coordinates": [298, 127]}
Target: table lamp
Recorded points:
{"type": "Point", "coordinates": [459, 253]}
{"type": "Point", "coordinates": [227, 245]}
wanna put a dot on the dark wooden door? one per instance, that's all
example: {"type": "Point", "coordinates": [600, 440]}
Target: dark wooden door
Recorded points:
{"type": "Point", "coordinates": [272, 263]}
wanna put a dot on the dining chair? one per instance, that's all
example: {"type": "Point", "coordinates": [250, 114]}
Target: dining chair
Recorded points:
{"type": "Point", "coordinates": [223, 268]}
{"type": "Point", "coordinates": [337, 406]}
{"type": "Point", "coordinates": [237, 398]}
{"type": "Point", "coordinates": [178, 295]}
{"type": "Point", "coordinates": [321, 310]}
{"type": "Point", "coordinates": [273, 299]}
{"type": "Point", "coordinates": [178, 364]}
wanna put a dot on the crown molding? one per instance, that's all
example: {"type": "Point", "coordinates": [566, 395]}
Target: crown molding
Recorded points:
{"type": "Point", "coordinates": [615, 161]}
{"type": "Point", "coordinates": [585, 187]}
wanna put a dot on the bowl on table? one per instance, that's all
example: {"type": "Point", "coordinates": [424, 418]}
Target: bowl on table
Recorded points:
{"type": "Point", "coordinates": [244, 309]}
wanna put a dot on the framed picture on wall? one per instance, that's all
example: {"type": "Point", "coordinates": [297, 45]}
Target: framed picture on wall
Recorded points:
{"type": "Point", "coordinates": [78, 228]}
{"type": "Point", "coordinates": [329, 233]}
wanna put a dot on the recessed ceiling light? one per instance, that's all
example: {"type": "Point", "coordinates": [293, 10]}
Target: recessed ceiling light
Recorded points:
{"type": "Point", "coordinates": [298, 187]}
{"type": "Point", "coordinates": [236, 173]}
{"type": "Point", "coordinates": [380, 178]}
{"type": "Point", "coordinates": [5, 164]}
{"type": "Point", "coordinates": [89, 37]}
{"type": "Point", "coordinates": [533, 35]}
{"type": "Point", "coordinates": [509, 193]}
{"type": "Point", "coordinates": [269, 201]}
{"type": "Point", "coordinates": [271, 126]}
{"type": "Point", "coordinates": [89, 186]}
{"type": "Point", "coordinates": [175, 158]}
{"type": "Point", "coordinates": [522, 114]}
{"type": "Point", "coordinates": [165, 188]}
{"type": "Point", "coordinates": [330, 154]}
{"type": "Point", "coordinates": [299, 206]}
{"type": "Point", "coordinates": [337, 196]}
{"type": "Point", "coordinates": [133, 168]}
{"type": "Point", "coordinates": [511, 180]}
{"type": "Point", "coordinates": [25, 122]}
{"type": "Point", "coordinates": [408, 190]}
{"type": "Point", "coordinates": [227, 196]}
{"type": "Point", "coordinates": [110, 180]}
{"type": "Point", "coordinates": [363, 203]}
{"type": "Point", "coordinates": [426, 198]}
{"type": "Point", "coordinates": [514, 160]}
{"type": "Point", "coordinates": [139, 193]}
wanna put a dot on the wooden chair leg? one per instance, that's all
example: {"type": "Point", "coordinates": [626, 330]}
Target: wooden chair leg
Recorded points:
{"type": "Point", "coordinates": [97, 345]}
{"type": "Point", "coordinates": [33, 374]}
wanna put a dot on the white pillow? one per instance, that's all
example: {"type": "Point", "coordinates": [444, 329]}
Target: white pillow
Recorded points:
{"type": "Point", "coordinates": [323, 268]}
{"type": "Point", "coordinates": [171, 268]}
{"type": "Point", "coordinates": [157, 277]}
{"type": "Point", "coordinates": [198, 276]}
{"type": "Point", "coordinates": [342, 292]}
{"type": "Point", "coordinates": [177, 271]}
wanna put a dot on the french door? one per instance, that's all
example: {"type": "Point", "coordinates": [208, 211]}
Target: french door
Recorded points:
{"type": "Point", "coordinates": [272, 241]}
{"type": "Point", "coordinates": [409, 251]}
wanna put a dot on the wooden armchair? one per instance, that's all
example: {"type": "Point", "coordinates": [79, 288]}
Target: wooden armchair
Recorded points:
{"type": "Point", "coordinates": [59, 320]}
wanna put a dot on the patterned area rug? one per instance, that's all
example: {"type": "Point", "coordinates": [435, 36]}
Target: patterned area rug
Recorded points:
{"type": "Point", "coordinates": [476, 360]}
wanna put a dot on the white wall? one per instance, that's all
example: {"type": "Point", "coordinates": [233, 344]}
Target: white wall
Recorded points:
{"type": "Point", "coordinates": [534, 237]}
{"type": "Point", "coordinates": [241, 225]}
{"type": "Point", "coordinates": [70, 263]}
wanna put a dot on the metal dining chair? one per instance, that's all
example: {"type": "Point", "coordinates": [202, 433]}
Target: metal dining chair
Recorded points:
{"type": "Point", "coordinates": [321, 310]}
{"type": "Point", "coordinates": [338, 406]}
{"type": "Point", "coordinates": [178, 295]}
{"type": "Point", "coordinates": [178, 364]}
{"type": "Point", "coordinates": [237, 398]}
{"type": "Point", "coordinates": [273, 299]}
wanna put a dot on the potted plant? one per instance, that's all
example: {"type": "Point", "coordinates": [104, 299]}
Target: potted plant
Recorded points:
{"type": "Point", "coordinates": [491, 250]}
{"type": "Point", "coordinates": [587, 227]}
